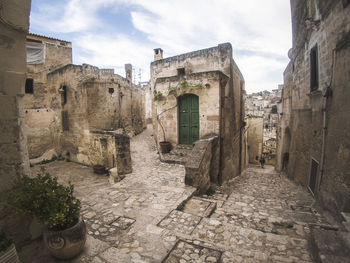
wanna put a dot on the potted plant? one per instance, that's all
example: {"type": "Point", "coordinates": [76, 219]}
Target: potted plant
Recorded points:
{"type": "Point", "coordinates": [8, 251]}
{"type": "Point", "coordinates": [55, 206]}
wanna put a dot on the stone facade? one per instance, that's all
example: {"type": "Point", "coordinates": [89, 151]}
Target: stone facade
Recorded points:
{"type": "Point", "coordinates": [203, 165]}
{"type": "Point", "coordinates": [212, 76]}
{"type": "Point", "coordinates": [78, 110]}
{"type": "Point", "coordinates": [313, 140]}
{"type": "Point", "coordinates": [254, 138]}
{"type": "Point", "coordinates": [14, 163]}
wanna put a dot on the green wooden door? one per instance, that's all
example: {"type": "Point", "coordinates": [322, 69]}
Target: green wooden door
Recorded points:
{"type": "Point", "coordinates": [188, 119]}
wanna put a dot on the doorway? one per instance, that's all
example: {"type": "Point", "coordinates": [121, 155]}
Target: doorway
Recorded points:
{"type": "Point", "coordinates": [188, 119]}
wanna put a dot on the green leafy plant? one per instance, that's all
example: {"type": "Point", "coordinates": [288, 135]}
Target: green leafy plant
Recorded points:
{"type": "Point", "coordinates": [157, 95]}
{"type": "Point", "coordinates": [50, 202]}
{"type": "Point", "coordinates": [5, 242]}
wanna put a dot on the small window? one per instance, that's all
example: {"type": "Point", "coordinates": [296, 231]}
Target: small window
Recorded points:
{"type": "Point", "coordinates": [314, 68]}
{"type": "Point", "coordinates": [111, 90]}
{"type": "Point", "coordinates": [29, 88]}
{"type": "Point", "coordinates": [181, 71]}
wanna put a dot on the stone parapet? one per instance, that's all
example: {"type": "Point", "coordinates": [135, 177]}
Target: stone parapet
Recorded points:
{"type": "Point", "coordinates": [203, 164]}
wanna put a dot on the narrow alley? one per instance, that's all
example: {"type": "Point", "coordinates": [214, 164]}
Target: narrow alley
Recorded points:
{"type": "Point", "coordinates": [151, 216]}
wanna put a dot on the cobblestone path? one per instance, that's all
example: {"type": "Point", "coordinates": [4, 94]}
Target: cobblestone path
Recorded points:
{"type": "Point", "coordinates": [151, 216]}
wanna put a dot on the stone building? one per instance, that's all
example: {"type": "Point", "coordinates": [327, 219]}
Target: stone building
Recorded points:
{"type": "Point", "coordinates": [199, 94]}
{"type": "Point", "coordinates": [254, 138]}
{"type": "Point", "coordinates": [313, 133]}
{"type": "Point", "coordinates": [14, 163]}
{"type": "Point", "coordinates": [77, 110]}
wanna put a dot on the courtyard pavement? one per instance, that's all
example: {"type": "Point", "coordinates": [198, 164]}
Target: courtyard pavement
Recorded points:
{"type": "Point", "coordinates": [151, 216]}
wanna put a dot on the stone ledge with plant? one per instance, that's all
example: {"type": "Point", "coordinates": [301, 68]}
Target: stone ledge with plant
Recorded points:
{"type": "Point", "coordinates": [53, 205]}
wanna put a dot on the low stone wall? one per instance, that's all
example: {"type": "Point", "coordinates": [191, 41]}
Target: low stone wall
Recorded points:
{"type": "Point", "coordinates": [108, 148]}
{"type": "Point", "coordinates": [203, 165]}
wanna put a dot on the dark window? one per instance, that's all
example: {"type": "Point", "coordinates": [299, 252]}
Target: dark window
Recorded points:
{"type": "Point", "coordinates": [313, 176]}
{"type": "Point", "coordinates": [29, 88]}
{"type": "Point", "coordinates": [181, 71]}
{"type": "Point", "coordinates": [65, 124]}
{"type": "Point", "coordinates": [314, 68]}
{"type": "Point", "coordinates": [63, 91]}
{"type": "Point", "coordinates": [111, 90]}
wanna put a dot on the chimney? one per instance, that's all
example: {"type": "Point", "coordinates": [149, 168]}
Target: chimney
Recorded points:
{"type": "Point", "coordinates": [128, 72]}
{"type": "Point", "coordinates": [158, 54]}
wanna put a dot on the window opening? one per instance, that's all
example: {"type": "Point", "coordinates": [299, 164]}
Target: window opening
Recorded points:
{"type": "Point", "coordinates": [314, 68]}
{"type": "Point", "coordinates": [29, 88]}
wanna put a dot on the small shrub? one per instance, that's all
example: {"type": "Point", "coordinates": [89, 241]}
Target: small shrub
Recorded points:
{"type": "Point", "coordinates": [157, 95]}
{"type": "Point", "coordinates": [51, 203]}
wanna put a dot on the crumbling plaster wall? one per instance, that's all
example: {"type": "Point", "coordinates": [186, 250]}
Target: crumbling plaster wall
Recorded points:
{"type": "Point", "coordinates": [167, 110]}
{"type": "Point", "coordinates": [91, 107]}
{"type": "Point", "coordinates": [13, 152]}
{"type": "Point", "coordinates": [327, 24]}
{"type": "Point", "coordinates": [41, 122]}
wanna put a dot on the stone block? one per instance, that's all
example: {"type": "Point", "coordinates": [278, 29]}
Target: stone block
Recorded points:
{"type": "Point", "coordinates": [10, 154]}
{"type": "Point", "coordinates": [8, 107]}
{"type": "Point", "coordinates": [114, 176]}
{"type": "Point", "coordinates": [12, 83]}
{"type": "Point", "coordinates": [48, 155]}
{"type": "Point", "coordinates": [9, 131]}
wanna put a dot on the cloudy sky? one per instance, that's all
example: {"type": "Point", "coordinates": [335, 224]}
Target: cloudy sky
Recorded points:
{"type": "Point", "coordinates": [111, 33]}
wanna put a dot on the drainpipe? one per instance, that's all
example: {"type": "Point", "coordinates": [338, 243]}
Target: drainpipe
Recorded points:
{"type": "Point", "coordinates": [326, 95]}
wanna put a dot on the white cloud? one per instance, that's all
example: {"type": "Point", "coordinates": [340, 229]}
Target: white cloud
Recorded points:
{"type": "Point", "coordinates": [260, 27]}
{"type": "Point", "coordinates": [113, 52]}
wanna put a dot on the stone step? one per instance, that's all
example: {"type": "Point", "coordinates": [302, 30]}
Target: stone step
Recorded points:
{"type": "Point", "coordinates": [268, 245]}
{"type": "Point", "coordinates": [330, 246]}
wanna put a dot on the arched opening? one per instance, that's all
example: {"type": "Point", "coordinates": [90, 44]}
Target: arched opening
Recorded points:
{"type": "Point", "coordinates": [188, 118]}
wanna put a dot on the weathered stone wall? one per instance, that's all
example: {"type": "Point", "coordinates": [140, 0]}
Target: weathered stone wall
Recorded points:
{"type": "Point", "coordinates": [41, 120]}
{"type": "Point", "coordinates": [335, 186]}
{"type": "Point", "coordinates": [221, 108]}
{"type": "Point", "coordinates": [254, 138]}
{"type": "Point", "coordinates": [41, 128]}
{"type": "Point", "coordinates": [203, 166]}
{"type": "Point", "coordinates": [231, 126]}
{"type": "Point", "coordinates": [13, 152]}
{"type": "Point", "coordinates": [95, 101]}
{"type": "Point", "coordinates": [166, 109]}
{"type": "Point", "coordinates": [324, 24]}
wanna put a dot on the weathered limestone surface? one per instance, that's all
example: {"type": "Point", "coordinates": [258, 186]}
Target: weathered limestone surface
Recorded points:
{"type": "Point", "coordinates": [254, 138]}
{"type": "Point", "coordinates": [151, 216]}
{"type": "Point", "coordinates": [314, 120]}
{"type": "Point", "coordinates": [213, 76]}
{"type": "Point", "coordinates": [202, 165]}
{"type": "Point", "coordinates": [13, 150]}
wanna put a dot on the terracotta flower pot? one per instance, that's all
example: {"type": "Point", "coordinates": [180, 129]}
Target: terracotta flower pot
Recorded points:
{"type": "Point", "coordinates": [165, 147]}
{"type": "Point", "coordinates": [99, 169]}
{"type": "Point", "coordinates": [9, 255]}
{"type": "Point", "coordinates": [67, 243]}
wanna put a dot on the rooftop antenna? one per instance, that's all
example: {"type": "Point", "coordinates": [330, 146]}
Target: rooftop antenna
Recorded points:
{"type": "Point", "coordinates": [140, 76]}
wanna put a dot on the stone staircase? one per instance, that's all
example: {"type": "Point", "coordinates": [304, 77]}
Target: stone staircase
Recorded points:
{"type": "Point", "coordinates": [261, 217]}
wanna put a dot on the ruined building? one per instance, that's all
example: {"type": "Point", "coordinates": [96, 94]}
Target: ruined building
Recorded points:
{"type": "Point", "coordinates": [199, 95]}
{"type": "Point", "coordinates": [79, 111]}
{"type": "Point", "coordinates": [313, 133]}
